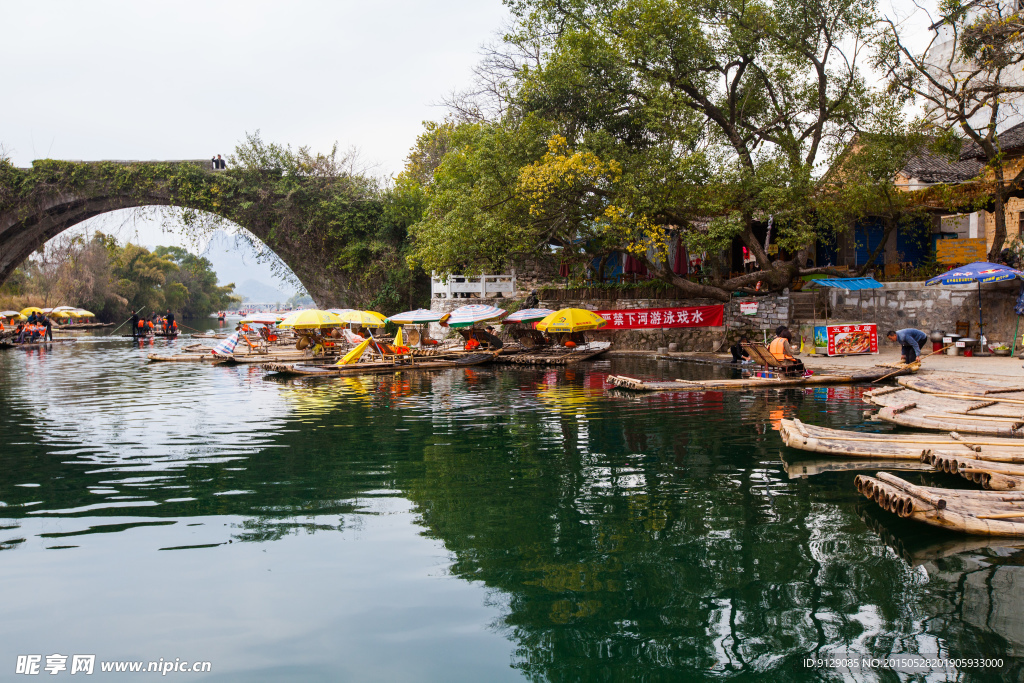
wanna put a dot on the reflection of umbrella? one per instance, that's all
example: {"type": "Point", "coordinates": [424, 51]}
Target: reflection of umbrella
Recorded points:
{"type": "Point", "coordinates": [979, 271]}
{"type": "Point", "coordinates": [418, 317]}
{"type": "Point", "coordinates": [528, 315]}
{"type": "Point", "coordinates": [264, 318]}
{"type": "Point", "coordinates": [571, 320]}
{"type": "Point", "coordinates": [363, 318]}
{"type": "Point", "coordinates": [310, 319]}
{"type": "Point", "coordinates": [466, 316]}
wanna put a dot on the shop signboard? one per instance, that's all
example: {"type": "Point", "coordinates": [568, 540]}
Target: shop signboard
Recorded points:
{"type": "Point", "coordinates": [847, 340]}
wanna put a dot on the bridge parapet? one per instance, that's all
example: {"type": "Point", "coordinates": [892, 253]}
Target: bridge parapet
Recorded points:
{"type": "Point", "coordinates": [205, 164]}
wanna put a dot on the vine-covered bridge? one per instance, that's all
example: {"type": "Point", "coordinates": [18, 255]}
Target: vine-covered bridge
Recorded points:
{"type": "Point", "coordinates": [40, 202]}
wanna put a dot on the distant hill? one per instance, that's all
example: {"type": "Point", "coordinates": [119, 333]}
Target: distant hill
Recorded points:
{"type": "Point", "coordinates": [254, 290]}
{"type": "Point", "coordinates": [234, 261]}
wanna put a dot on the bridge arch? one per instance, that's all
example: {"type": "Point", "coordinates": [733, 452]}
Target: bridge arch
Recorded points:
{"type": "Point", "coordinates": [71, 193]}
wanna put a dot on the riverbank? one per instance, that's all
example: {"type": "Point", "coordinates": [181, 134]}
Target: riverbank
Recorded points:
{"type": "Point", "coordinates": [993, 366]}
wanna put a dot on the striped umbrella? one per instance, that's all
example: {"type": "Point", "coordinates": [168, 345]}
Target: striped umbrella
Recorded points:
{"type": "Point", "coordinates": [340, 311]}
{"type": "Point", "coordinates": [466, 316]}
{"type": "Point", "coordinates": [226, 347]}
{"type": "Point", "coordinates": [528, 315]}
{"type": "Point", "coordinates": [420, 316]}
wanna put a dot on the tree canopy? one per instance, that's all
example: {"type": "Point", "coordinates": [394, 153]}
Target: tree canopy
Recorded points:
{"type": "Point", "coordinates": [648, 118]}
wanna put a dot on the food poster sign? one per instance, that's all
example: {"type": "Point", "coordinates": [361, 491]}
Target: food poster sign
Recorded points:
{"type": "Point", "coordinates": [641, 318]}
{"type": "Point", "coordinates": [845, 340]}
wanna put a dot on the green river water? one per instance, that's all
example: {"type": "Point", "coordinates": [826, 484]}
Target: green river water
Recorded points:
{"type": "Point", "coordinates": [481, 524]}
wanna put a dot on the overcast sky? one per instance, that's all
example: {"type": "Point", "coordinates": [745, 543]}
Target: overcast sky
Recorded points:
{"type": "Point", "coordinates": [105, 79]}
{"type": "Point", "coordinates": [147, 79]}
{"type": "Point", "coordinates": [144, 79]}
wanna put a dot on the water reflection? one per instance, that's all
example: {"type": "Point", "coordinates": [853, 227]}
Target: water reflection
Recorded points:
{"type": "Point", "coordinates": [614, 536]}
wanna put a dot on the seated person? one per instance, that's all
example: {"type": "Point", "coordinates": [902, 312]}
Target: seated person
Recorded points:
{"type": "Point", "coordinates": [739, 354]}
{"type": "Point", "coordinates": [783, 351]}
{"type": "Point", "coordinates": [487, 335]}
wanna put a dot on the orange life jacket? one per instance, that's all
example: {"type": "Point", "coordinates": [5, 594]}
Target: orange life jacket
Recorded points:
{"type": "Point", "coordinates": [777, 349]}
{"type": "Point", "coordinates": [472, 344]}
{"type": "Point", "coordinates": [142, 323]}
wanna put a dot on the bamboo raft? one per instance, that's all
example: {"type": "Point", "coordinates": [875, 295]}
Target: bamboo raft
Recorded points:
{"type": "Point", "coordinates": [234, 358]}
{"type": "Point", "coordinates": [986, 513]}
{"type": "Point", "coordinates": [838, 442]}
{"type": "Point", "coordinates": [86, 326]}
{"type": "Point", "coordinates": [8, 344]}
{"type": "Point", "coordinates": [962, 387]}
{"type": "Point", "coordinates": [915, 550]}
{"type": "Point", "coordinates": [814, 380]}
{"type": "Point", "coordinates": [996, 464]}
{"type": "Point", "coordinates": [990, 415]}
{"type": "Point", "coordinates": [554, 356]}
{"type": "Point", "coordinates": [374, 367]}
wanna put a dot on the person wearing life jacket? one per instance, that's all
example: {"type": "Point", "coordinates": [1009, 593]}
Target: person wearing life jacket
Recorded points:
{"type": "Point", "coordinates": [781, 348]}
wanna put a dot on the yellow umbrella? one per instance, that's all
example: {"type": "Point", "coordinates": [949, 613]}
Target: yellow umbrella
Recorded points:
{"type": "Point", "coordinates": [13, 314]}
{"type": "Point", "coordinates": [30, 310]}
{"type": "Point", "coordinates": [81, 313]}
{"type": "Point", "coordinates": [364, 318]}
{"type": "Point", "coordinates": [310, 319]}
{"type": "Point", "coordinates": [571, 320]}
{"type": "Point", "coordinates": [398, 337]}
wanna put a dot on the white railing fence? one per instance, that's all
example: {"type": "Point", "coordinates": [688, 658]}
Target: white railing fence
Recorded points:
{"type": "Point", "coordinates": [472, 286]}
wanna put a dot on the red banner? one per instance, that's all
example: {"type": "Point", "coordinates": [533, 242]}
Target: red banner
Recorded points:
{"type": "Point", "coordinates": [642, 318]}
{"type": "Point", "coordinates": [844, 340]}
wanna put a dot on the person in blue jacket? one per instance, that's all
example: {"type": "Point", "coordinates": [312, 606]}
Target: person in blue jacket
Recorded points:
{"type": "Point", "coordinates": [911, 340]}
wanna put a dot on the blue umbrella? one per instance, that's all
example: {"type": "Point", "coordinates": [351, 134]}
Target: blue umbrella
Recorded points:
{"type": "Point", "coordinates": [979, 271]}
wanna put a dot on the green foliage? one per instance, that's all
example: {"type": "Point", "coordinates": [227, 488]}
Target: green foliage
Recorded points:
{"type": "Point", "coordinates": [337, 226]}
{"type": "Point", "coordinates": [663, 114]}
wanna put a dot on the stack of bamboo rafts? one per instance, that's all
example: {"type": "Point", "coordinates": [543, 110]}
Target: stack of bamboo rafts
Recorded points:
{"type": "Point", "coordinates": [991, 513]}
{"type": "Point", "coordinates": [978, 436]}
{"type": "Point", "coordinates": [969, 407]}
{"type": "Point", "coordinates": [995, 463]}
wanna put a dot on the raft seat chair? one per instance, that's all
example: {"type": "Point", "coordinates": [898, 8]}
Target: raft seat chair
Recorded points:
{"type": "Point", "coordinates": [760, 354]}
{"type": "Point", "coordinates": [963, 329]}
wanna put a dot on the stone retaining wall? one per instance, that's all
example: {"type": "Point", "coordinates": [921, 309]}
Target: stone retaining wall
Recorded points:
{"type": "Point", "coordinates": [897, 305]}
{"type": "Point", "coordinates": [900, 305]}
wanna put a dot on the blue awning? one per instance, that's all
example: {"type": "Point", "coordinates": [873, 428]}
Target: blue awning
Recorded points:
{"type": "Point", "coordinates": [850, 284]}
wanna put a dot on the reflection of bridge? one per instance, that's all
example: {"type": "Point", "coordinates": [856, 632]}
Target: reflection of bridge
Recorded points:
{"type": "Point", "coordinates": [38, 204]}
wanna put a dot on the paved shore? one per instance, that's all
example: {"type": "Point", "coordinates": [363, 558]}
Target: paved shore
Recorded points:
{"type": "Point", "coordinates": [1003, 367]}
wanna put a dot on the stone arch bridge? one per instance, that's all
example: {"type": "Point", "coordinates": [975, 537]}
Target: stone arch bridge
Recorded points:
{"type": "Point", "coordinates": [38, 203]}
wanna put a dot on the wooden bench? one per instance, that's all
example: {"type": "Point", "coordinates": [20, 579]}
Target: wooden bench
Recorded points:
{"type": "Point", "coordinates": [760, 354]}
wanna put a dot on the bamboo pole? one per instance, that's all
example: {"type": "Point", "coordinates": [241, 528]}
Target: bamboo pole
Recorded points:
{"type": "Point", "coordinates": [918, 361]}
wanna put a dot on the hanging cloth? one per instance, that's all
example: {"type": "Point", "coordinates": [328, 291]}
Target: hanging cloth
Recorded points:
{"type": "Point", "coordinates": [679, 263]}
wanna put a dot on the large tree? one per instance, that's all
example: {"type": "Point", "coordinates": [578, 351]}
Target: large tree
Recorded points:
{"type": "Point", "coordinates": [657, 113]}
{"type": "Point", "coordinates": [970, 80]}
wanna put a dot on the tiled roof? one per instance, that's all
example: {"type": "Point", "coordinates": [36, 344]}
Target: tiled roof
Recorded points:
{"type": "Point", "coordinates": [1010, 140]}
{"type": "Point", "coordinates": [930, 168]}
